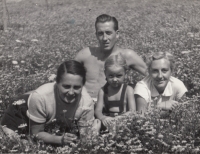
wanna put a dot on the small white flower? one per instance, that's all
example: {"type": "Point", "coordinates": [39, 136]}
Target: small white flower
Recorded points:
{"type": "Point", "coordinates": [18, 41]}
{"type": "Point", "coordinates": [57, 131]}
{"type": "Point", "coordinates": [9, 56]}
{"type": "Point", "coordinates": [186, 51]}
{"type": "Point", "coordinates": [34, 40]}
{"type": "Point", "coordinates": [22, 61]}
{"type": "Point", "coordinates": [191, 35]}
{"type": "Point", "coordinates": [4, 147]}
{"type": "Point", "coordinates": [53, 120]}
{"type": "Point", "coordinates": [19, 102]}
{"type": "Point", "coordinates": [160, 136]}
{"type": "Point", "coordinates": [14, 62]}
{"type": "Point", "coordinates": [22, 125]}
{"type": "Point", "coordinates": [184, 141]}
{"type": "Point", "coordinates": [16, 66]}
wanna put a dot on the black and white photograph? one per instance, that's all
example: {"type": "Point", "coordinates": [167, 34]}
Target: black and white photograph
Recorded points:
{"type": "Point", "coordinates": [100, 76]}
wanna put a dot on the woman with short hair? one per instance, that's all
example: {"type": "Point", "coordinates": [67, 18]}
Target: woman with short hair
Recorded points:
{"type": "Point", "coordinates": [64, 101]}
{"type": "Point", "coordinates": [159, 88]}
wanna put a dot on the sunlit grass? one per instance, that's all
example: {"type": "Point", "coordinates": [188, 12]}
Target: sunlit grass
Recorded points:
{"type": "Point", "coordinates": [40, 37]}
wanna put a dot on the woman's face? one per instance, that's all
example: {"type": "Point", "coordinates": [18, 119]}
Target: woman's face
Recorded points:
{"type": "Point", "coordinates": [70, 87]}
{"type": "Point", "coordinates": [160, 72]}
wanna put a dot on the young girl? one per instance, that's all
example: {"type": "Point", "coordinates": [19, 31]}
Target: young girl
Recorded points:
{"type": "Point", "coordinates": [159, 87]}
{"type": "Point", "coordinates": [115, 97]}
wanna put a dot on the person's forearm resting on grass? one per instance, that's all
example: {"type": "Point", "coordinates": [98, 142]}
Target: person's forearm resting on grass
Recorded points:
{"type": "Point", "coordinates": [38, 130]}
{"type": "Point", "coordinates": [166, 105]}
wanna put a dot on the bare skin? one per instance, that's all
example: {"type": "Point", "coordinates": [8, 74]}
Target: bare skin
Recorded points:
{"type": "Point", "coordinates": [160, 73]}
{"type": "Point", "coordinates": [94, 58]}
{"type": "Point", "coordinates": [116, 93]}
{"type": "Point", "coordinates": [115, 78]}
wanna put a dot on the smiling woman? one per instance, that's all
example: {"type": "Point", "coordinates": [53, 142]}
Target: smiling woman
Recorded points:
{"type": "Point", "coordinates": [159, 89]}
{"type": "Point", "coordinates": [65, 102]}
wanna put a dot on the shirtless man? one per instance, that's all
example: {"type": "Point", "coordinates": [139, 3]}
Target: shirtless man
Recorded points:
{"type": "Point", "coordinates": [93, 58]}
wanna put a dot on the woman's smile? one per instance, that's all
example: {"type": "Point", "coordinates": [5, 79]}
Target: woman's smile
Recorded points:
{"type": "Point", "coordinates": [70, 87]}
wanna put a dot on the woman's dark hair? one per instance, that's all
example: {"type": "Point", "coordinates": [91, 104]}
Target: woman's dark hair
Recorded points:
{"type": "Point", "coordinates": [72, 67]}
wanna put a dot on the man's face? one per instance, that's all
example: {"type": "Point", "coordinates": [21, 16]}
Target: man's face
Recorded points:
{"type": "Point", "coordinates": [106, 35]}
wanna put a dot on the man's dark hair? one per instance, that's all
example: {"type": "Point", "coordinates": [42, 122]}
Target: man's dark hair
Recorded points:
{"type": "Point", "coordinates": [105, 18]}
{"type": "Point", "coordinates": [72, 67]}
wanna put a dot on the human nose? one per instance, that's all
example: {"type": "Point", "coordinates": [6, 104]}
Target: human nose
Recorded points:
{"type": "Point", "coordinates": [114, 79]}
{"type": "Point", "coordinates": [160, 75]}
{"type": "Point", "coordinates": [71, 91]}
{"type": "Point", "coordinates": [105, 37]}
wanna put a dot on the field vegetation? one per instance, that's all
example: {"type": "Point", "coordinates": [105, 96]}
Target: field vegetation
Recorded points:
{"type": "Point", "coordinates": [41, 36]}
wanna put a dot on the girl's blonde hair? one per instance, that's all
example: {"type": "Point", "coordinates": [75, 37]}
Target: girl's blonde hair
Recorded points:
{"type": "Point", "coordinates": [161, 55]}
{"type": "Point", "coordinates": [116, 60]}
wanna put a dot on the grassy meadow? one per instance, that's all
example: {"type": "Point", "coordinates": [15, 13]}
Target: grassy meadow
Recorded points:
{"type": "Point", "coordinates": [42, 35]}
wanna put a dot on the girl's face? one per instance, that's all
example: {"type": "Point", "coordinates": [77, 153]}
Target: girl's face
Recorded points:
{"type": "Point", "coordinates": [70, 87]}
{"type": "Point", "coordinates": [115, 75]}
{"type": "Point", "coordinates": [160, 73]}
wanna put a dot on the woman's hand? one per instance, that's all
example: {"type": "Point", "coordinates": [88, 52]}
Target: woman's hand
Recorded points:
{"type": "Point", "coordinates": [68, 138]}
{"type": "Point", "coordinates": [108, 121]}
{"type": "Point", "coordinates": [168, 105]}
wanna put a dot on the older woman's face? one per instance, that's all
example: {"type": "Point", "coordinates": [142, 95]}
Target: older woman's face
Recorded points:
{"type": "Point", "coordinates": [70, 87]}
{"type": "Point", "coordinates": [160, 72]}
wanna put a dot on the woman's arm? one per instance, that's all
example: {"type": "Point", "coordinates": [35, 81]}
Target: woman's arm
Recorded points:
{"type": "Point", "coordinates": [38, 130]}
{"type": "Point", "coordinates": [141, 104]}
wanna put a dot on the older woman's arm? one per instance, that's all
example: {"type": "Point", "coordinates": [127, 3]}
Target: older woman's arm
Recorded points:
{"type": "Point", "coordinates": [141, 104]}
{"type": "Point", "coordinates": [37, 113]}
{"type": "Point", "coordinates": [38, 130]}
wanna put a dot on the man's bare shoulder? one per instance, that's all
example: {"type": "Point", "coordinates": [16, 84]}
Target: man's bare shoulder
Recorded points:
{"type": "Point", "coordinates": [83, 54]}
{"type": "Point", "coordinates": [127, 53]}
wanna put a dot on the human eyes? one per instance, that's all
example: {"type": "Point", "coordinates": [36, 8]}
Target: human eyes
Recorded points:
{"type": "Point", "coordinates": [108, 32]}
{"type": "Point", "coordinates": [164, 70]}
{"type": "Point", "coordinates": [119, 76]}
{"type": "Point", "coordinates": [77, 87]}
{"type": "Point", "coordinates": [66, 86]}
{"type": "Point", "coordinates": [99, 33]}
{"type": "Point", "coordinates": [154, 71]}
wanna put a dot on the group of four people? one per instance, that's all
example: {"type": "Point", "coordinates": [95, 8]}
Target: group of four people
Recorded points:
{"type": "Point", "coordinates": [96, 76]}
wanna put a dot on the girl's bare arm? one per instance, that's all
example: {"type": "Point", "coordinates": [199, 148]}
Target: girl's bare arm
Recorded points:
{"type": "Point", "coordinates": [100, 105]}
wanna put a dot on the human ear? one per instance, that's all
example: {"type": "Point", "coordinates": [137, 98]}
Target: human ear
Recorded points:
{"type": "Point", "coordinates": [117, 34]}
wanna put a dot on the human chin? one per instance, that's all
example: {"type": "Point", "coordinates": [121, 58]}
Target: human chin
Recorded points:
{"type": "Point", "coordinates": [69, 99]}
{"type": "Point", "coordinates": [161, 84]}
{"type": "Point", "coordinates": [106, 46]}
{"type": "Point", "coordinates": [115, 85]}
